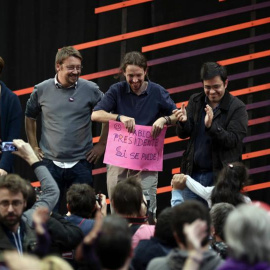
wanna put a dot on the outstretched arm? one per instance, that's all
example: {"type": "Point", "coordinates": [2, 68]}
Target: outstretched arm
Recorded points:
{"type": "Point", "coordinates": [49, 188]}
{"type": "Point", "coordinates": [200, 190]}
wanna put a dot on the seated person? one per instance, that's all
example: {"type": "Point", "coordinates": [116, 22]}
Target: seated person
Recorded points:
{"type": "Point", "coordinates": [183, 214]}
{"type": "Point", "coordinates": [128, 201]}
{"type": "Point", "coordinates": [107, 245]}
{"type": "Point", "coordinates": [219, 213]}
{"type": "Point", "coordinates": [247, 232]}
{"type": "Point", "coordinates": [82, 204]}
{"type": "Point", "coordinates": [159, 245]}
{"type": "Point", "coordinates": [230, 183]}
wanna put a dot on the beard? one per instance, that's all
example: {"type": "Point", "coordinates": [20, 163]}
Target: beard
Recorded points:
{"type": "Point", "coordinates": [10, 220]}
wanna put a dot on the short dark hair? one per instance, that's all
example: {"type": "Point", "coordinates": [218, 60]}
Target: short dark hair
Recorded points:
{"type": "Point", "coordinates": [133, 58]}
{"type": "Point", "coordinates": [163, 229]}
{"type": "Point", "coordinates": [113, 246]}
{"type": "Point", "coordinates": [81, 199]}
{"type": "Point", "coordinates": [187, 212]}
{"type": "Point", "coordinates": [219, 213]}
{"type": "Point", "coordinates": [231, 179]}
{"type": "Point", "coordinates": [66, 52]}
{"type": "Point", "coordinates": [127, 197]}
{"type": "Point", "coordinates": [14, 183]}
{"type": "Point", "coordinates": [2, 64]}
{"type": "Point", "coordinates": [210, 70]}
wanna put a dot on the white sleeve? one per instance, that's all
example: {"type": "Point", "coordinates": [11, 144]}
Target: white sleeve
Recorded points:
{"type": "Point", "coordinates": [200, 190]}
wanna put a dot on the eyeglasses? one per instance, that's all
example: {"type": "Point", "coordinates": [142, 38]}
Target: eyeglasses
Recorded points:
{"type": "Point", "coordinates": [15, 204]}
{"type": "Point", "coordinates": [71, 68]}
{"type": "Point", "coordinates": [214, 87]}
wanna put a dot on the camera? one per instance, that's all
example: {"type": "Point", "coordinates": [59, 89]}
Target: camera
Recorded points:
{"type": "Point", "coordinates": [98, 199]}
{"type": "Point", "coordinates": [8, 146]}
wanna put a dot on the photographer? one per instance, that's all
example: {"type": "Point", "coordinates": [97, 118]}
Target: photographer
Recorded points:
{"type": "Point", "coordinates": [82, 203]}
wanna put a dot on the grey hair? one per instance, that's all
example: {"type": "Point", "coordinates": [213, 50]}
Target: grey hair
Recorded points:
{"type": "Point", "coordinates": [219, 213]}
{"type": "Point", "coordinates": [247, 233]}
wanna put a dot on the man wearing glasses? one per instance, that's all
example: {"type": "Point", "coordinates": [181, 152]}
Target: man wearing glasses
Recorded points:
{"type": "Point", "coordinates": [216, 123]}
{"type": "Point", "coordinates": [14, 233]}
{"type": "Point", "coordinates": [65, 103]}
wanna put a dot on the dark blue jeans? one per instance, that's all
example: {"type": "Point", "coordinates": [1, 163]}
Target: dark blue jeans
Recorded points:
{"type": "Point", "coordinates": [205, 179]}
{"type": "Point", "coordinates": [81, 173]}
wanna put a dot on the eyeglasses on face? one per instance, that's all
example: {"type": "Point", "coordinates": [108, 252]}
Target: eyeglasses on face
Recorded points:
{"type": "Point", "coordinates": [15, 203]}
{"type": "Point", "coordinates": [214, 87]}
{"type": "Point", "coordinates": [71, 68]}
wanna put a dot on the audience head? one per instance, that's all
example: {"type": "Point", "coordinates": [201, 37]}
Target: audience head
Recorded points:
{"type": "Point", "coordinates": [2, 64]}
{"type": "Point", "coordinates": [81, 200]}
{"type": "Point", "coordinates": [113, 246]}
{"type": "Point", "coordinates": [247, 233]}
{"type": "Point", "coordinates": [127, 197]}
{"type": "Point", "coordinates": [13, 197]}
{"type": "Point", "coordinates": [219, 213]}
{"type": "Point", "coordinates": [187, 212]}
{"type": "Point", "coordinates": [210, 70]}
{"type": "Point", "coordinates": [232, 178]}
{"type": "Point", "coordinates": [163, 229]}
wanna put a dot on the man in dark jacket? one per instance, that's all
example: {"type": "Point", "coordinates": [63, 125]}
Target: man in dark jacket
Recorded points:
{"type": "Point", "coordinates": [10, 122]}
{"type": "Point", "coordinates": [216, 123]}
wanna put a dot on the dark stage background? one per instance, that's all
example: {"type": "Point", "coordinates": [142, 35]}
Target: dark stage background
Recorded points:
{"type": "Point", "coordinates": [32, 31]}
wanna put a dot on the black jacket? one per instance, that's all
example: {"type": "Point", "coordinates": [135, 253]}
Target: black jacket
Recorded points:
{"type": "Point", "coordinates": [228, 129]}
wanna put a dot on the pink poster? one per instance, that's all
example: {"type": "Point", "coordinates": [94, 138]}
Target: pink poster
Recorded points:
{"type": "Point", "coordinates": [136, 150]}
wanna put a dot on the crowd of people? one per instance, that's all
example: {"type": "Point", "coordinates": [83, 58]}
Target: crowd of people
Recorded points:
{"type": "Point", "coordinates": [211, 223]}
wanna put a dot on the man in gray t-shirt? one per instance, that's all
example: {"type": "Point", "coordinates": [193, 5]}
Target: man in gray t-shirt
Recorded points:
{"type": "Point", "coordinates": [65, 103]}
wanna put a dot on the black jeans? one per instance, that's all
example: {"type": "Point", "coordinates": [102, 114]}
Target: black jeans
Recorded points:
{"type": "Point", "coordinates": [81, 173]}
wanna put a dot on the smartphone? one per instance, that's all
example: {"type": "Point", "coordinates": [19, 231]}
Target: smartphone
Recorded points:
{"type": "Point", "coordinates": [8, 146]}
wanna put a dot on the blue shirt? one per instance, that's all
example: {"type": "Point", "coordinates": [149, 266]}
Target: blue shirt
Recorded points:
{"type": "Point", "coordinates": [146, 108]}
{"type": "Point", "coordinates": [86, 225]}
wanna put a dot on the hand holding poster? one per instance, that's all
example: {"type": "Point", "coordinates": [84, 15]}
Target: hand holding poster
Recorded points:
{"type": "Point", "coordinates": [136, 150]}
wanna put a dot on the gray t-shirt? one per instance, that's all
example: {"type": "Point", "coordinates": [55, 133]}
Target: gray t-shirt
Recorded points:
{"type": "Point", "coordinates": [66, 133]}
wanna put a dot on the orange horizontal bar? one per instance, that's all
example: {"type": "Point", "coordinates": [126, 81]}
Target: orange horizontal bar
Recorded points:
{"type": "Point", "coordinates": [177, 139]}
{"type": "Point", "coordinates": [244, 156]}
{"type": "Point", "coordinates": [250, 90]}
{"type": "Point", "coordinates": [99, 170]}
{"type": "Point", "coordinates": [245, 189]}
{"type": "Point", "coordinates": [253, 122]}
{"type": "Point", "coordinates": [24, 91]}
{"type": "Point", "coordinates": [164, 189]}
{"type": "Point", "coordinates": [176, 170]}
{"type": "Point", "coordinates": [256, 154]}
{"type": "Point", "coordinates": [169, 188]}
{"type": "Point", "coordinates": [207, 34]}
{"type": "Point", "coordinates": [133, 34]}
{"type": "Point", "coordinates": [173, 139]}
{"type": "Point", "coordinates": [120, 5]}
{"type": "Point", "coordinates": [256, 187]}
{"type": "Point", "coordinates": [247, 57]}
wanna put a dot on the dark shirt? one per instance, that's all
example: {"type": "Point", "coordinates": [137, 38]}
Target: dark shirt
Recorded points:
{"type": "Point", "coordinates": [146, 108]}
{"type": "Point", "coordinates": [203, 146]}
{"type": "Point", "coordinates": [86, 225]}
